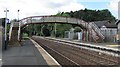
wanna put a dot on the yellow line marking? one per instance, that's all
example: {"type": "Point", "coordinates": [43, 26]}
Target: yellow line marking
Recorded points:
{"type": "Point", "coordinates": [113, 45]}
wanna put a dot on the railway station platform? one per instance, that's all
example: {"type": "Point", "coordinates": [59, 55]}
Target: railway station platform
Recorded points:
{"type": "Point", "coordinates": [108, 45]}
{"type": "Point", "coordinates": [111, 46]}
{"type": "Point", "coordinates": [30, 53]}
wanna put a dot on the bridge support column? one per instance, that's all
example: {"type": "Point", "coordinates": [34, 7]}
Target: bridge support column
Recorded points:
{"type": "Point", "coordinates": [87, 37]}
{"type": "Point", "coordinates": [20, 36]}
{"type": "Point", "coordinates": [90, 35]}
{"type": "Point", "coordinates": [84, 36]}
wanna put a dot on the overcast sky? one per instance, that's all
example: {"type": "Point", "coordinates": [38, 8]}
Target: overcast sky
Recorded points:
{"type": "Point", "coordinates": [51, 7]}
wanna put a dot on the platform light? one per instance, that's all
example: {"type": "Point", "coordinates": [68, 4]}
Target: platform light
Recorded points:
{"type": "Point", "coordinates": [18, 14]}
{"type": "Point", "coordinates": [6, 23]}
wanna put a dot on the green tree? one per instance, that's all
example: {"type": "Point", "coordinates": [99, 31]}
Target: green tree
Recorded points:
{"type": "Point", "coordinates": [90, 15]}
{"type": "Point", "coordinates": [77, 29]}
{"type": "Point", "coordinates": [46, 32]}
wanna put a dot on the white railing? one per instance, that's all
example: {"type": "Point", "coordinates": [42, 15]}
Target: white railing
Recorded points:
{"type": "Point", "coordinates": [10, 31]}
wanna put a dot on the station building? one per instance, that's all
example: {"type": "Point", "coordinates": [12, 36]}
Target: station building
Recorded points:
{"type": "Point", "coordinates": [118, 25]}
{"type": "Point", "coordinates": [107, 28]}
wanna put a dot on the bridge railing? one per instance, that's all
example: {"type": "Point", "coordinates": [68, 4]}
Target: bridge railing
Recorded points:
{"type": "Point", "coordinates": [52, 19]}
{"type": "Point", "coordinates": [98, 30]}
{"type": "Point", "coordinates": [23, 22]}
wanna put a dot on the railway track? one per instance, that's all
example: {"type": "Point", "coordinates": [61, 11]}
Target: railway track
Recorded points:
{"type": "Point", "coordinates": [97, 55]}
{"type": "Point", "coordinates": [89, 46]}
{"type": "Point", "coordinates": [68, 55]}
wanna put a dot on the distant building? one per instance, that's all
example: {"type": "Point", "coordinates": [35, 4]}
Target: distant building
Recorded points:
{"type": "Point", "coordinates": [118, 22]}
{"type": "Point", "coordinates": [108, 29]}
{"type": "Point", "coordinates": [73, 35]}
{"type": "Point", "coordinates": [118, 25]}
{"type": "Point", "coordinates": [69, 34]}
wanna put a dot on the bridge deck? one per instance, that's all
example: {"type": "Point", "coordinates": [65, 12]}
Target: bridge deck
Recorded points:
{"type": "Point", "coordinates": [27, 54]}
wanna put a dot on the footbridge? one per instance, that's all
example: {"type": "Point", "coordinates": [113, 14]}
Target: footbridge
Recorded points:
{"type": "Point", "coordinates": [90, 28]}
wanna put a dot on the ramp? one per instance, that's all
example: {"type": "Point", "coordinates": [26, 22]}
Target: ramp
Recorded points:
{"type": "Point", "coordinates": [13, 34]}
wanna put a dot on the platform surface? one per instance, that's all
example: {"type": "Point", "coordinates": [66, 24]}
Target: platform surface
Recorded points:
{"type": "Point", "coordinates": [27, 54]}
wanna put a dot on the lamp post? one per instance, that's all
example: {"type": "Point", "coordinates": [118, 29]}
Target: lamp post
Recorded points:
{"type": "Point", "coordinates": [6, 27]}
{"type": "Point", "coordinates": [18, 15]}
{"type": "Point", "coordinates": [19, 32]}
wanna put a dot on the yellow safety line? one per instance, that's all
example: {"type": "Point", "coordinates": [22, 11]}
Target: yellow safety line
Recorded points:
{"type": "Point", "coordinates": [113, 45]}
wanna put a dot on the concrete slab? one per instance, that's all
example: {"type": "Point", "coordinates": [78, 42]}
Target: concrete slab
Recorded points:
{"type": "Point", "coordinates": [23, 55]}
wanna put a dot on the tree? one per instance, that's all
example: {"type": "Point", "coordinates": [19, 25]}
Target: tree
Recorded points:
{"type": "Point", "coordinates": [90, 15]}
{"type": "Point", "coordinates": [64, 14]}
{"type": "Point", "coordinates": [77, 29]}
{"type": "Point", "coordinates": [46, 30]}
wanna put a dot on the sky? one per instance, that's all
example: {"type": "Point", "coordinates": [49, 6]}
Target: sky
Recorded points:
{"type": "Point", "coordinates": [50, 7]}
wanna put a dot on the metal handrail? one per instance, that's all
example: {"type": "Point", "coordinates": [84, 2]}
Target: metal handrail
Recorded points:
{"type": "Point", "coordinates": [10, 31]}
{"type": "Point", "coordinates": [92, 31]}
{"type": "Point", "coordinates": [51, 18]}
{"type": "Point", "coordinates": [98, 30]}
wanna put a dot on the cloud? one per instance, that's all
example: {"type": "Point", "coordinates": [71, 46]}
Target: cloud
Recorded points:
{"type": "Point", "coordinates": [71, 7]}
{"type": "Point", "coordinates": [113, 7]}
{"type": "Point", "coordinates": [37, 7]}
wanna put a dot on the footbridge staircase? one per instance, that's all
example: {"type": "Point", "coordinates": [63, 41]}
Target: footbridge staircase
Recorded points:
{"type": "Point", "coordinates": [14, 33]}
